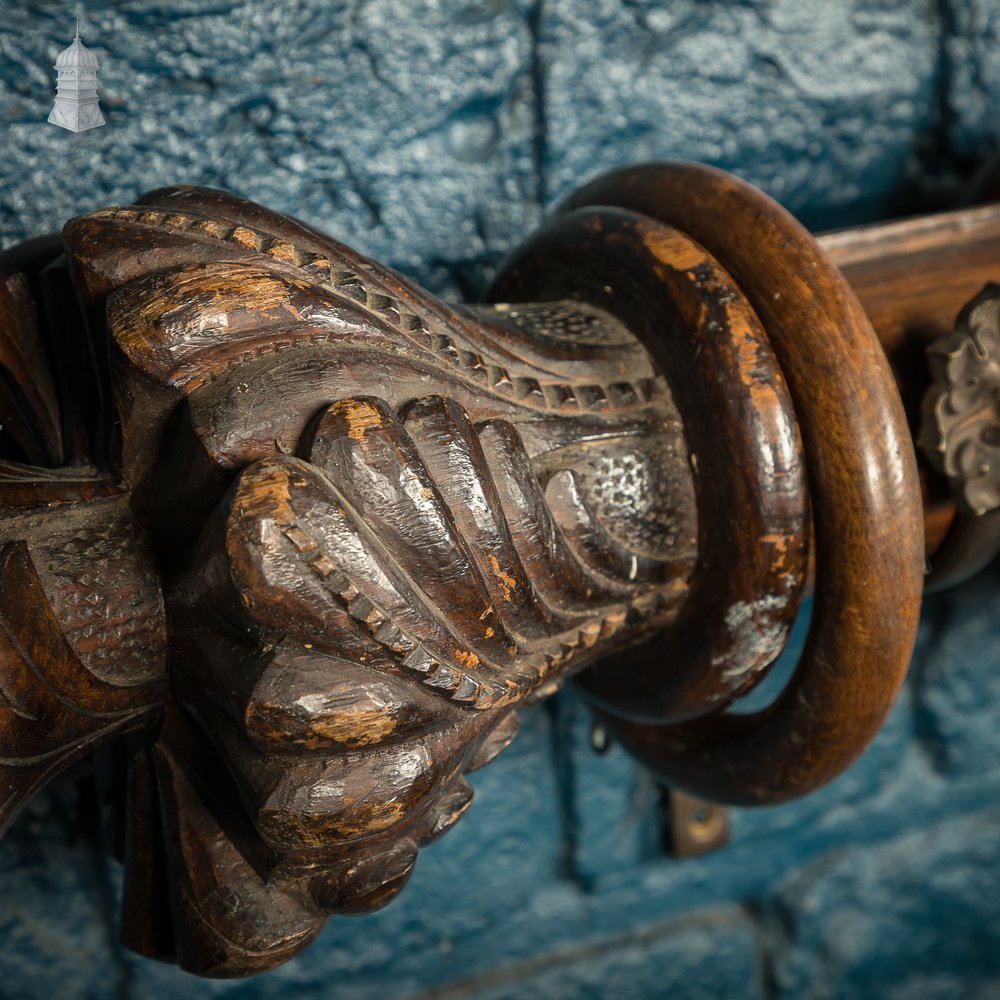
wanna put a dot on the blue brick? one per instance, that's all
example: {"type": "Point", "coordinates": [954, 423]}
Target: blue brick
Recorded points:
{"type": "Point", "coordinates": [57, 939]}
{"type": "Point", "coordinates": [917, 916]}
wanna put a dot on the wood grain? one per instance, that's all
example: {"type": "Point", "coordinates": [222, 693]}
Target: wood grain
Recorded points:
{"type": "Point", "coordinates": [863, 488]}
{"type": "Point", "coordinates": [304, 538]}
{"type": "Point", "coordinates": [742, 443]}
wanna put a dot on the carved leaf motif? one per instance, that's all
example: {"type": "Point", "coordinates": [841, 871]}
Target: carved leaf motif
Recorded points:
{"type": "Point", "coordinates": [388, 522]}
{"type": "Point", "coordinates": [380, 622]}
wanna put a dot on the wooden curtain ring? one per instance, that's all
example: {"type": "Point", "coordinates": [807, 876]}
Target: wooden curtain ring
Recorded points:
{"type": "Point", "coordinates": [740, 432]}
{"type": "Point", "coordinates": [863, 486]}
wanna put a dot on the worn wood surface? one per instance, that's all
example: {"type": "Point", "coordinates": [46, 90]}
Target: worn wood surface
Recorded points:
{"type": "Point", "coordinates": [308, 536]}
{"type": "Point", "coordinates": [740, 432]}
{"type": "Point", "coordinates": [379, 524]}
{"type": "Point", "coordinates": [863, 486]}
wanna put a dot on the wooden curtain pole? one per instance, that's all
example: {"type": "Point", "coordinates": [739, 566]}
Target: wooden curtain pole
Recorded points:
{"type": "Point", "coordinates": [912, 277]}
{"type": "Point", "coordinates": [297, 538]}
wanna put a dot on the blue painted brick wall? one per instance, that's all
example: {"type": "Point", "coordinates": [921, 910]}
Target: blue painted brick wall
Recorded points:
{"type": "Point", "coordinates": [433, 135]}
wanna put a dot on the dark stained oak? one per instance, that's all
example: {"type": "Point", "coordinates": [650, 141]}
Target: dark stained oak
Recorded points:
{"type": "Point", "coordinates": [740, 433]}
{"type": "Point", "coordinates": [300, 539]}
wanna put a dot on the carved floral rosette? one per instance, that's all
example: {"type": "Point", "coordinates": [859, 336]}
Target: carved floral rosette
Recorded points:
{"type": "Point", "coordinates": [960, 430]}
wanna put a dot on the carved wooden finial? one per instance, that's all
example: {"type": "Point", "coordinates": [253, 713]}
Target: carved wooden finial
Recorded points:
{"type": "Point", "coordinates": [312, 535]}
